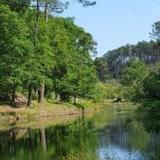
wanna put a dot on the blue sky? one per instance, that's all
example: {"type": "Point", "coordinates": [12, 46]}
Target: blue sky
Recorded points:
{"type": "Point", "coordinates": [116, 22]}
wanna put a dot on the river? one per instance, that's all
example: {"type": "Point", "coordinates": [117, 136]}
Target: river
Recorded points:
{"type": "Point", "coordinates": [104, 136]}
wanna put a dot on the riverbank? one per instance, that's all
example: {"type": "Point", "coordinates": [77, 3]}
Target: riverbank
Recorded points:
{"type": "Point", "coordinates": [50, 112]}
{"type": "Point", "coordinates": [53, 112]}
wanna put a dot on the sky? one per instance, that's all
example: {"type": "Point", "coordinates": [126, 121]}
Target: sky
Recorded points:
{"type": "Point", "coordinates": [114, 23]}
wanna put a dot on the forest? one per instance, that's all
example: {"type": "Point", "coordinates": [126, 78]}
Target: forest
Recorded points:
{"type": "Point", "coordinates": [136, 68]}
{"type": "Point", "coordinates": [45, 56]}
{"type": "Point", "coordinates": [42, 54]}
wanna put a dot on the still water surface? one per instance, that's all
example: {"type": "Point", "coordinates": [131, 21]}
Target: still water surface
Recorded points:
{"type": "Point", "coordinates": [105, 136]}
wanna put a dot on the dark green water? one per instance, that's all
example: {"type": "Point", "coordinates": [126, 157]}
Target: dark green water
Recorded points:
{"type": "Point", "coordinates": [105, 136]}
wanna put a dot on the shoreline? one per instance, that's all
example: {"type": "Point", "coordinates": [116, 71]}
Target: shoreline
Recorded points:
{"type": "Point", "coordinates": [55, 112]}
{"type": "Point", "coordinates": [52, 113]}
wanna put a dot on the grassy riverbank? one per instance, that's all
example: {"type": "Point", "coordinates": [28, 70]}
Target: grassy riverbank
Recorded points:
{"type": "Point", "coordinates": [53, 112]}
{"type": "Point", "coordinates": [50, 112]}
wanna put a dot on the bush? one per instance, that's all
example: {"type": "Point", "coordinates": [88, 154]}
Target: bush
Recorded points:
{"type": "Point", "coordinates": [109, 90]}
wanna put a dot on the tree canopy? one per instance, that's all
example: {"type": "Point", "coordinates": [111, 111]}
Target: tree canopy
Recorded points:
{"type": "Point", "coordinates": [57, 54]}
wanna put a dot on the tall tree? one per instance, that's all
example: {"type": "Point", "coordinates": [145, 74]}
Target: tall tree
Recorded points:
{"type": "Point", "coordinates": [133, 78]}
{"type": "Point", "coordinates": [41, 61]}
{"type": "Point", "coordinates": [17, 5]}
{"type": "Point", "coordinates": [54, 6]}
{"type": "Point", "coordinates": [101, 68]}
{"type": "Point", "coordinates": [14, 49]}
{"type": "Point", "coordinates": [73, 60]}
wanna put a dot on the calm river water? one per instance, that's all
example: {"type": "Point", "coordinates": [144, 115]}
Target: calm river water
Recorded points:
{"type": "Point", "coordinates": [104, 136]}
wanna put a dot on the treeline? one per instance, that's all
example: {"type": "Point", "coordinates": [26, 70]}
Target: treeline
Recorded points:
{"type": "Point", "coordinates": [118, 59]}
{"type": "Point", "coordinates": [41, 54]}
{"type": "Point", "coordinates": [142, 81]}
{"type": "Point", "coordinates": [136, 68]}
{"type": "Point", "coordinates": [142, 84]}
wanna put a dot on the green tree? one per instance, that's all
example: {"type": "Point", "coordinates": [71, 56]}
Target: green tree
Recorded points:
{"type": "Point", "coordinates": [117, 60]}
{"type": "Point", "coordinates": [101, 68]}
{"type": "Point", "coordinates": [16, 5]}
{"type": "Point", "coordinates": [73, 59]}
{"type": "Point", "coordinates": [45, 53]}
{"type": "Point", "coordinates": [14, 49]}
{"type": "Point", "coordinates": [40, 63]}
{"type": "Point", "coordinates": [155, 34]}
{"type": "Point", "coordinates": [152, 86]}
{"type": "Point", "coordinates": [133, 78]}
{"type": "Point", "coordinates": [53, 6]}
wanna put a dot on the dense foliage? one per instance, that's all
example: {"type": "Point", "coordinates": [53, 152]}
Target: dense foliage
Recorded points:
{"type": "Point", "coordinates": [101, 68]}
{"type": "Point", "coordinates": [142, 81]}
{"type": "Point", "coordinates": [44, 55]}
{"type": "Point", "coordinates": [118, 59]}
{"type": "Point", "coordinates": [135, 66]}
{"type": "Point", "coordinates": [133, 78]}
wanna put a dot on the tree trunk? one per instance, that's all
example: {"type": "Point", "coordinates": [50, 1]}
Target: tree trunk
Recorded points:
{"type": "Point", "coordinates": [41, 92]}
{"type": "Point", "coordinates": [56, 96]}
{"type": "Point", "coordinates": [43, 138]}
{"type": "Point", "coordinates": [45, 91]}
{"type": "Point", "coordinates": [35, 89]}
{"type": "Point", "coordinates": [37, 8]}
{"type": "Point", "coordinates": [29, 96]}
{"type": "Point", "coordinates": [37, 21]}
{"type": "Point", "coordinates": [46, 11]}
{"type": "Point", "coordinates": [75, 97]}
{"type": "Point", "coordinates": [64, 96]}
{"type": "Point", "coordinates": [13, 95]}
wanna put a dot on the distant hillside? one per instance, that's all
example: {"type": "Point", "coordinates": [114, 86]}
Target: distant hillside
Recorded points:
{"type": "Point", "coordinates": [116, 60]}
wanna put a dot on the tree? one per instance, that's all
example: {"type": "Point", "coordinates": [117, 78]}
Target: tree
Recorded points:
{"type": "Point", "coordinates": [45, 53]}
{"type": "Point", "coordinates": [53, 6]}
{"type": "Point", "coordinates": [133, 78]}
{"type": "Point", "coordinates": [101, 68]}
{"type": "Point", "coordinates": [14, 49]}
{"type": "Point", "coordinates": [155, 34]}
{"type": "Point", "coordinates": [40, 62]}
{"type": "Point", "coordinates": [16, 5]}
{"type": "Point", "coordinates": [117, 60]}
{"type": "Point", "coordinates": [58, 6]}
{"type": "Point", "coordinates": [72, 58]}
{"type": "Point", "coordinates": [152, 86]}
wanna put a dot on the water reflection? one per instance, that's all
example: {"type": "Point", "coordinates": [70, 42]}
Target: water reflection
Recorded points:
{"type": "Point", "coordinates": [105, 136]}
{"type": "Point", "coordinates": [70, 141]}
{"type": "Point", "coordinates": [121, 139]}
{"type": "Point", "coordinates": [151, 122]}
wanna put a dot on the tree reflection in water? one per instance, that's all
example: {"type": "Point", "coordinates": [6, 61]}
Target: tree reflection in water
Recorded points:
{"type": "Point", "coordinates": [151, 122]}
{"type": "Point", "coordinates": [105, 136]}
{"type": "Point", "coordinates": [73, 141]}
